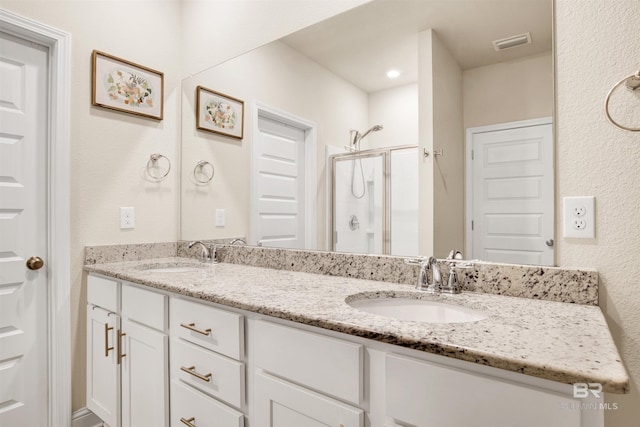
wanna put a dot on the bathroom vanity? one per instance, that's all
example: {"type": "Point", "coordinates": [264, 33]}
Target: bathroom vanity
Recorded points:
{"type": "Point", "coordinates": [229, 344]}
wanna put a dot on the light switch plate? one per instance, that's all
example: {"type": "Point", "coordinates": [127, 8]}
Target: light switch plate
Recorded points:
{"type": "Point", "coordinates": [579, 217]}
{"type": "Point", "coordinates": [220, 217]}
{"type": "Point", "coordinates": [127, 218]}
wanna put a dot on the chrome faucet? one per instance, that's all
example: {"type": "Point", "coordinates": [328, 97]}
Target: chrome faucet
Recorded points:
{"type": "Point", "coordinates": [430, 278]}
{"type": "Point", "coordinates": [427, 265]}
{"type": "Point", "coordinates": [205, 255]}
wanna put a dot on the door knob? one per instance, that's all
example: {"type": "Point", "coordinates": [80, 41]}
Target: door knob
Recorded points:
{"type": "Point", "coordinates": [35, 263]}
{"type": "Point", "coordinates": [549, 243]}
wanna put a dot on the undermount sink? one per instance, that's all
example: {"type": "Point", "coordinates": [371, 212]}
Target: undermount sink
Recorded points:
{"type": "Point", "coordinates": [417, 310]}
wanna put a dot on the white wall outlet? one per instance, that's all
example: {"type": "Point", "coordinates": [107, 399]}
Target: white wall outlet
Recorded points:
{"type": "Point", "coordinates": [579, 217]}
{"type": "Point", "coordinates": [220, 217]}
{"type": "Point", "coordinates": [127, 218]}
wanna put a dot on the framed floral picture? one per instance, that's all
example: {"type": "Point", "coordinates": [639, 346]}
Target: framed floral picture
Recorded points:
{"type": "Point", "coordinates": [219, 113]}
{"type": "Point", "coordinates": [125, 86]}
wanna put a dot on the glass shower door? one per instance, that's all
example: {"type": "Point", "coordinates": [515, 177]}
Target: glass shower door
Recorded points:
{"type": "Point", "coordinates": [404, 201]}
{"type": "Point", "coordinates": [358, 203]}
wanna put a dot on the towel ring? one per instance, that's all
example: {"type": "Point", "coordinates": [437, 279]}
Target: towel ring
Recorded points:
{"type": "Point", "coordinates": [200, 167]}
{"type": "Point", "coordinates": [632, 82]}
{"type": "Point", "coordinates": [153, 159]}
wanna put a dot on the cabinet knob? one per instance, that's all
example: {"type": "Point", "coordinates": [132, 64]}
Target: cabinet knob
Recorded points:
{"type": "Point", "coordinates": [35, 263]}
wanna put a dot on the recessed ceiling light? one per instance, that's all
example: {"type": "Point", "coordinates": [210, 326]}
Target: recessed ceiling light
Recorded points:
{"type": "Point", "coordinates": [392, 74]}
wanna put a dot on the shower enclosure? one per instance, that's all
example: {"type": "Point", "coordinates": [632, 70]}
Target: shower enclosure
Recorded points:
{"type": "Point", "coordinates": [374, 197]}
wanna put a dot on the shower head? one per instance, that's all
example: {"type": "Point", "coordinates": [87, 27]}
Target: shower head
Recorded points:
{"type": "Point", "coordinates": [375, 128]}
{"type": "Point", "coordinates": [356, 136]}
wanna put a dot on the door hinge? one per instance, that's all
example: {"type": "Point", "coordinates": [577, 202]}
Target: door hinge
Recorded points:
{"type": "Point", "coordinates": [471, 225]}
{"type": "Point", "coordinates": [472, 155]}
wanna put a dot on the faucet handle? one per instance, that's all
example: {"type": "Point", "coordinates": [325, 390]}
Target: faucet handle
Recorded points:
{"type": "Point", "coordinates": [415, 261]}
{"type": "Point", "coordinates": [453, 282]}
{"type": "Point", "coordinates": [214, 253]}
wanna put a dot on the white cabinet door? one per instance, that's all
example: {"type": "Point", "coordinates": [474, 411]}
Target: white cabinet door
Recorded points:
{"type": "Point", "coordinates": [145, 376]}
{"type": "Point", "coordinates": [280, 404]}
{"type": "Point", "coordinates": [427, 394]}
{"type": "Point", "coordinates": [103, 371]}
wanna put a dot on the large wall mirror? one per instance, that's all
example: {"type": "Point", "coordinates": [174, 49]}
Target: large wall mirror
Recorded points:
{"type": "Point", "coordinates": [406, 127]}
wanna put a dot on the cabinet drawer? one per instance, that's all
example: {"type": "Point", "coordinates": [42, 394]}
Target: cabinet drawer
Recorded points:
{"type": "Point", "coordinates": [425, 394]}
{"type": "Point", "coordinates": [225, 376]}
{"type": "Point", "coordinates": [103, 292]}
{"type": "Point", "coordinates": [278, 403]}
{"type": "Point", "coordinates": [220, 330]}
{"type": "Point", "coordinates": [203, 411]}
{"type": "Point", "coordinates": [329, 365]}
{"type": "Point", "coordinates": [143, 306]}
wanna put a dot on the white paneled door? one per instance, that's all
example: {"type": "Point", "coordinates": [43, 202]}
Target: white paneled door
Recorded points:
{"type": "Point", "coordinates": [23, 233]}
{"type": "Point", "coordinates": [513, 193]}
{"type": "Point", "coordinates": [279, 182]}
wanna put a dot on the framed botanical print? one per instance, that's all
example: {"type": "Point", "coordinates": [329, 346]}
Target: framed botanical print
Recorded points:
{"type": "Point", "coordinates": [124, 86]}
{"type": "Point", "coordinates": [219, 113]}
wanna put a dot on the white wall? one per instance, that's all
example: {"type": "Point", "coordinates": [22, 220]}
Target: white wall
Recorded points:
{"type": "Point", "coordinates": [397, 110]}
{"type": "Point", "coordinates": [217, 30]}
{"type": "Point", "coordinates": [441, 198]}
{"type": "Point", "coordinates": [509, 91]}
{"type": "Point", "coordinates": [597, 45]}
{"type": "Point", "coordinates": [282, 78]}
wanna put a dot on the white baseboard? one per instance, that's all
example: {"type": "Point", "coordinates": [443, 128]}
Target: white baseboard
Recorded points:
{"type": "Point", "coordinates": [85, 418]}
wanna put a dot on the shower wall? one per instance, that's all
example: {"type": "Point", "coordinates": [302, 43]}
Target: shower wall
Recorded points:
{"type": "Point", "coordinates": [358, 221]}
{"type": "Point", "coordinates": [376, 211]}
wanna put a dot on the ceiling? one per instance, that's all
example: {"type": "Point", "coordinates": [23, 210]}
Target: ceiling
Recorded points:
{"type": "Point", "coordinates": [361, 45]}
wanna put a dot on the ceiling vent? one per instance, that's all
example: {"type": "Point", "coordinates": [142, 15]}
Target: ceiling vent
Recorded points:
{"type": "Point", "coordinates": [512, 41]}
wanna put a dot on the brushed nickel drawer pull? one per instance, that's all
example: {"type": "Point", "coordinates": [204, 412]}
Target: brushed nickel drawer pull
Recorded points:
{"type": "Point", "coordinates": [192, 371]}
{"type": "Point", "coordinates": [107, 349]}
{"type": "Point", "coordinates": [190, 422]}
{"type": "Point", "coordinates": [192, 327]}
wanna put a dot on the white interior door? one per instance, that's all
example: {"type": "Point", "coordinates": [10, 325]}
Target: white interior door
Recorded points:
{"type": "Point", "coordinates": [279, 184]}
{"type": "Point", "coordinates": [23, 233]}
{"type": "Point", "coordinates": [513, 194]}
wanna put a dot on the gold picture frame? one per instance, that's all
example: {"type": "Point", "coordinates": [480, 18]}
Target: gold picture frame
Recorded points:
{"type": "Point", "coordinates": [219, 113]}
{"type": "Point", "coordinates": [121, 85]}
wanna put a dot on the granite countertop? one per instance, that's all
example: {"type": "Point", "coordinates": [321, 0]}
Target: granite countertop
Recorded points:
{"type": "Point", "coordinates": [562, 342]}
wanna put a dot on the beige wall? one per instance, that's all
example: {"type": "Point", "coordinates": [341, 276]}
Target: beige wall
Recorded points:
{"type": "Point", "coordinates": [282, 78]}
{"type": "Point", "coordinates": [597, 45]}
{"type": "Point", "coordinates": [109, 150]}
{"type": "Point", "coordinates": [509, 91]}
{"type": "Point", "coordinates": [217, 30]}
{"type": "Point", "coordinates": [397, 110]}
{"type": "Point", "coordinates": [441, 199]}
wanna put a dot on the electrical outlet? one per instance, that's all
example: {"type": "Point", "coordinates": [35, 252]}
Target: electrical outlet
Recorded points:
{"type": "Point", "coordinates": [579, 211]}
{"type": "Point", "coordinates": [127, 218]}
{"type": "Point", "coordinates": [579, 223]}
{"type": "Point", "coordinates": [579, 217]}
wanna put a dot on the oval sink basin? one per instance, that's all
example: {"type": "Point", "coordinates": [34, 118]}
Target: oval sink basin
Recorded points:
{"type": "Point", "coordinates": [417, 310]}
